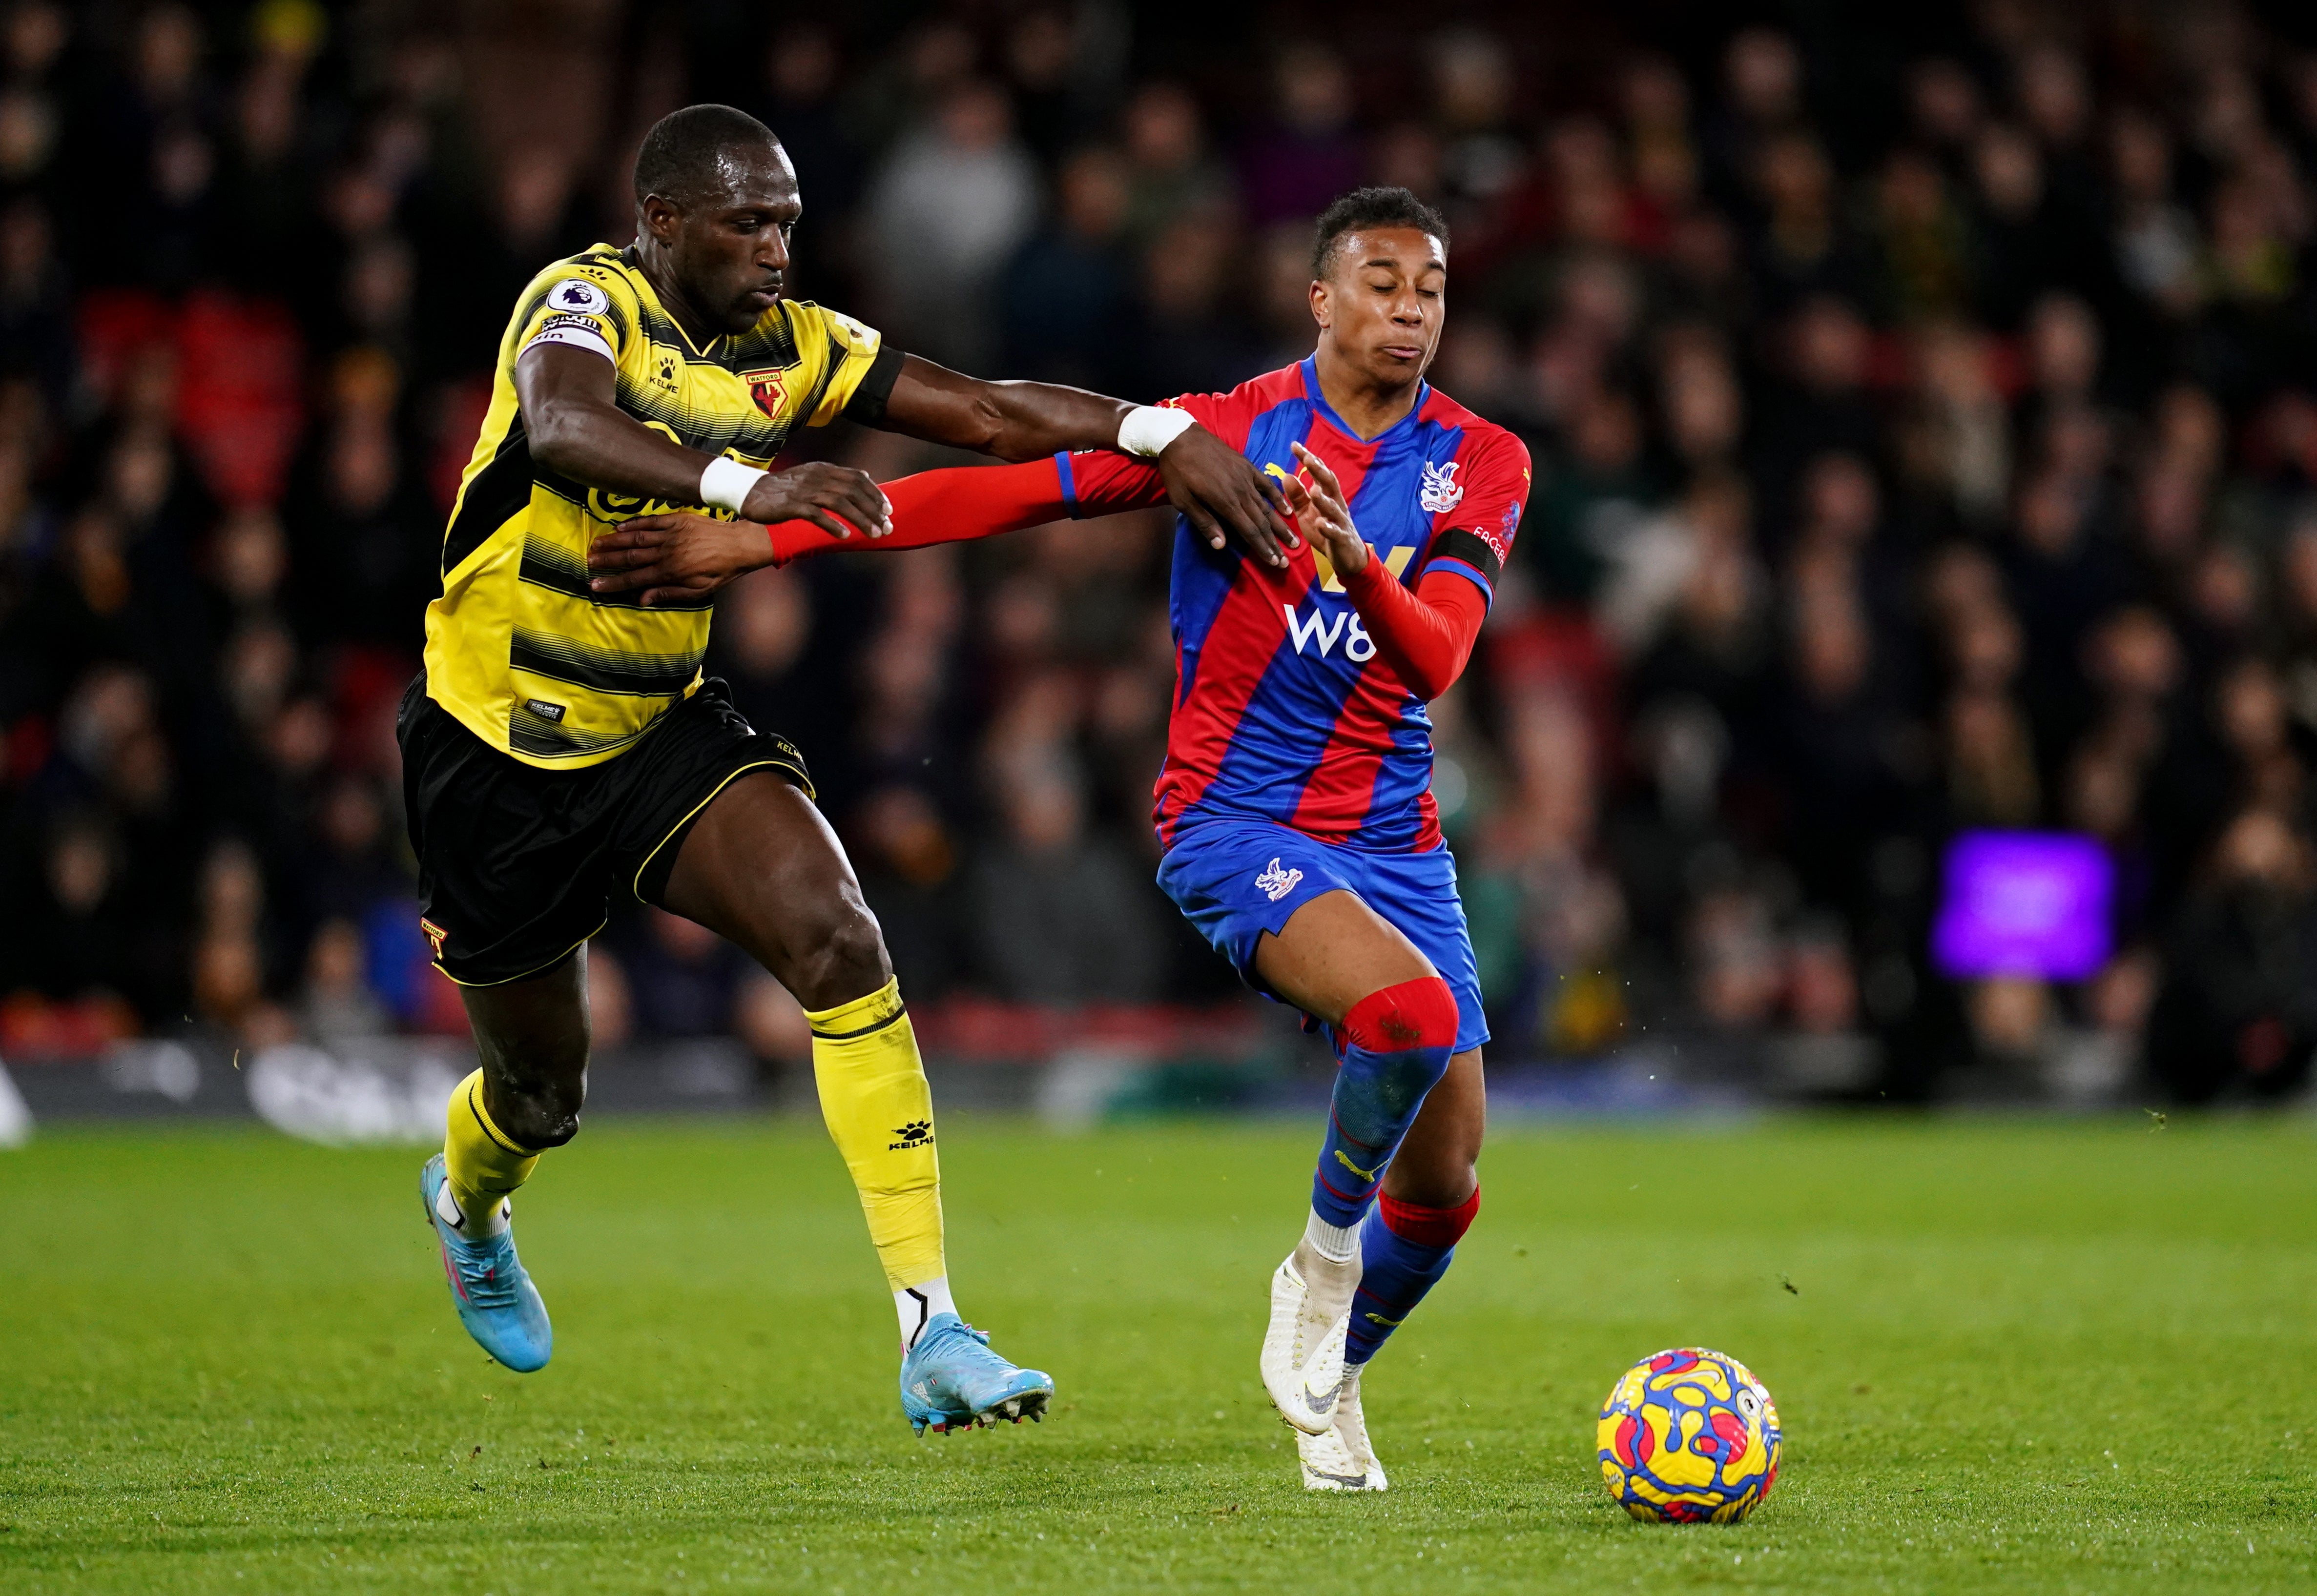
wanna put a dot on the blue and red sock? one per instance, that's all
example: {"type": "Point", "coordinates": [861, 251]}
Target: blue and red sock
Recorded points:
{"type": "Point", "coordinates": [1404, 1249]}
{"type": "Point", "coordinates": [1394, 1046]}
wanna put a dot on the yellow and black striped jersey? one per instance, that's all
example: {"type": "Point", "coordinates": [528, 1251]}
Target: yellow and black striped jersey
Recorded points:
{"type": "Point", "coordinates": [517, 647]}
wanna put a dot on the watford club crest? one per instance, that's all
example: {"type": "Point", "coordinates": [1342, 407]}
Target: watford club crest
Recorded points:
{"type": "Point", "coordinates": [769, 388]}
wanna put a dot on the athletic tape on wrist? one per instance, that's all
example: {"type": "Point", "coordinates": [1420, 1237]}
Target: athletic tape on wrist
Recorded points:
{"type": "Point", "coordinates": [726, 482]}
{"type": "Point", "coordinates": [1148, 428]}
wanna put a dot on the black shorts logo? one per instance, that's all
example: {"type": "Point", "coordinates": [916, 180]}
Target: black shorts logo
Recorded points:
{"type": "Point", "coordinates": [916, 1133]}
{"type": "Point", "coordinates": [543, 709]}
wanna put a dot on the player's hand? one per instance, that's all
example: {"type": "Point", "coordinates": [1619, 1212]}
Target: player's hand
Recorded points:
{"type": "Point", "coordinates": [675, 556]}
{"type": "Point", "coordinates": [1324, 513]}
{"type": "Point", "coordinates": [1216, 487]}
{"type": "Point", "coordinates": [837, 499]}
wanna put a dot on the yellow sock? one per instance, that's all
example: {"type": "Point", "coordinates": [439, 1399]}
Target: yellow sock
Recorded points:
{"type": "Point", "coordinates": [484, 1165]}
{"type": "Point", "coordinates": [881, 1114]}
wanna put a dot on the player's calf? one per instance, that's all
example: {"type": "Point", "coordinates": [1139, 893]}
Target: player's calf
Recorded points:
{"type": "Point", "coordinates": [483, 1162]}
{"type": "Point", "coordinates": [533, 1037]}
{"type": "Point", "coordinates": [1405, 1248]}
{"type": "Point", "coordinates": [880, 1112]}
{"type": "Point", "coordinates": [1396, 1046]}
{"type": "Point", "coordinates": [466, 1191]}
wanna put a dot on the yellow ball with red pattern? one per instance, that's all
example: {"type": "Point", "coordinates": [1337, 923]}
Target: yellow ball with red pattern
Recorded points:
{"type": "Point", "coordinates": [1689, 1436]}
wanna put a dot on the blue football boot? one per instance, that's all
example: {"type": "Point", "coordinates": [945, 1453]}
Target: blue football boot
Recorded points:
{"type": "Point", "coordinates": [951, 1380]}
{"type": "Point", "coordinates": [493, 1292]}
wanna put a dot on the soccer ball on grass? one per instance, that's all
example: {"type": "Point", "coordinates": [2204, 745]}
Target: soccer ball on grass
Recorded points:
{"type": "Point", "coordinates": [1688, 1437]}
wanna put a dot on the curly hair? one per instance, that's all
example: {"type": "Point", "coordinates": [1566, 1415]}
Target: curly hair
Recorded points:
{"type": "Point", "coordinates": [1373, 207]}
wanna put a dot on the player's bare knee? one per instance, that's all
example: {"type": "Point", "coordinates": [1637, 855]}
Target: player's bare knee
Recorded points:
{"type": "Point", "coordinates": [537, 1086]}
{"type": "Point", "coordinates": [543, 1111]}
{"type": "Point", "coordinates": [847, 960]}
{"type": "Point", "coordinates": [550, 1124]}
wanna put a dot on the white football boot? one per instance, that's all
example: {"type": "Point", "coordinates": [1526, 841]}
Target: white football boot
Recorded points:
{"type": "Point", "coordinates": [1302, 1354]}
{"type": "Point", "coordinates": [1339, 1458]}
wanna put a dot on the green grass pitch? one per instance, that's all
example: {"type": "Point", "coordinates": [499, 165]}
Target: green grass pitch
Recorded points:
{"type": "Point", "coordinates": [2015, 1356]}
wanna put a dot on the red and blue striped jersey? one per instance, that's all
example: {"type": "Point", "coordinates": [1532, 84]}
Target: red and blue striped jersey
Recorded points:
{"type": "Point", "coordinates": [1282, 711]}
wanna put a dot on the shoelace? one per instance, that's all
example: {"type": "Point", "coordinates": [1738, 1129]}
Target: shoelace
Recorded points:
{"type": "Point", "coordinates": [486, 1270]}
{"type": "Point", "coordinates": [975, 1355]}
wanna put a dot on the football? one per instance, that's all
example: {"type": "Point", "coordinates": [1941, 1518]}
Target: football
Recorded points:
{"type": "Point", "coordinates": [1688, 1436]}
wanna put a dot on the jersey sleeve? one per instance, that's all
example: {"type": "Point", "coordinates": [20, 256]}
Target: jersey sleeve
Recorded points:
{"type": "Point", "coordinates": [839, 351]}
{"type": "Point", "coordinates": [953, 504]}
{"type": "Point", "coordinates": [1479, 536]}
{"type": "Point", "coordinates": [1425, 634]}
{"type": "Point", "coordinates": [581, 306]}
{"type": "Point", "coordinates": [1228, 416]}
{"type": "Point", "coordinates": [1104, 482]}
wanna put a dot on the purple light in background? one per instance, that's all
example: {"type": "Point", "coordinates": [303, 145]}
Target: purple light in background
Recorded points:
{"type": "Point", "coordinates": [2022, 903]}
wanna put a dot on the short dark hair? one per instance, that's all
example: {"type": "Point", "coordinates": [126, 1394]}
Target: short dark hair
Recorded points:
{"type": "Point", "coordinates": [677, 161]}
{"type": "Point", "coordinates": [1373, 207]}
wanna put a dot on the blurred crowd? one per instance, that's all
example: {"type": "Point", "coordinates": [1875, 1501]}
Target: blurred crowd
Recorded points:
{"type": "Point", "coordinates": [1925, 420]}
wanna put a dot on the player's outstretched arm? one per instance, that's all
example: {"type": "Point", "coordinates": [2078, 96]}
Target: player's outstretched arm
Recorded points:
{"type": "Point", "coordinates": [953, 505]}
{"type": "Point", "coordinates": [574, 426]}
{"type": "Point", "coordinates": [1217, 488]}
{"type": "Point", "coordinates": [681, 554]}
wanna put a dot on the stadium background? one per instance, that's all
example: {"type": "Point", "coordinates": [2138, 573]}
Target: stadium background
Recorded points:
{"type": "Point", "coordinates": [1925, 432]}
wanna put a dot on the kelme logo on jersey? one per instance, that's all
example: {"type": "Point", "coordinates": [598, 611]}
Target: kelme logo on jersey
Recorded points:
{"type": "Point", "coordinates": [575, 294]}
{"type": "Point", "coordinates": [1440, 494]}
{"type": "Point", "coordinates": [769, 387]}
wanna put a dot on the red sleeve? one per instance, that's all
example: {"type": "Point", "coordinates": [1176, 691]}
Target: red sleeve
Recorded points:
{"type": "Point", "coordinates": [1104, 482]}
{"type": "Point", "coordinates": [1230, 416]}
{"type": "Point", "coordinates": [968, 502]}
{"type": "Point", "coordinates": [1477, 537]}
{"type": "Point", "coordinates": [1425, 633]}
{"type": "Point", "coordinates": [945, 506]}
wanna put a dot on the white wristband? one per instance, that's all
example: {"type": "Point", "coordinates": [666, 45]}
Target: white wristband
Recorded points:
{"type": "Point", "coordinates": [725, 484]}
{"type": "Point", "coordinates": [1149, 428]}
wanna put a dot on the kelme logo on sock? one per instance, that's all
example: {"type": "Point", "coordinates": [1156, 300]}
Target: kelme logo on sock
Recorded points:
{"type": "Point", "coordinates": [916, 1133]}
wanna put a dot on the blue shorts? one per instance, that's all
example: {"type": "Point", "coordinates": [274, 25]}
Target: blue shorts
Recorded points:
{"type": "Point", "coordinates": [1236, 879]}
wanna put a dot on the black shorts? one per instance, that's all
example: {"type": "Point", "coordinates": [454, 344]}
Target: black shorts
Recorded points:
{"type": "Point", "coordinates": [517, 865]}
